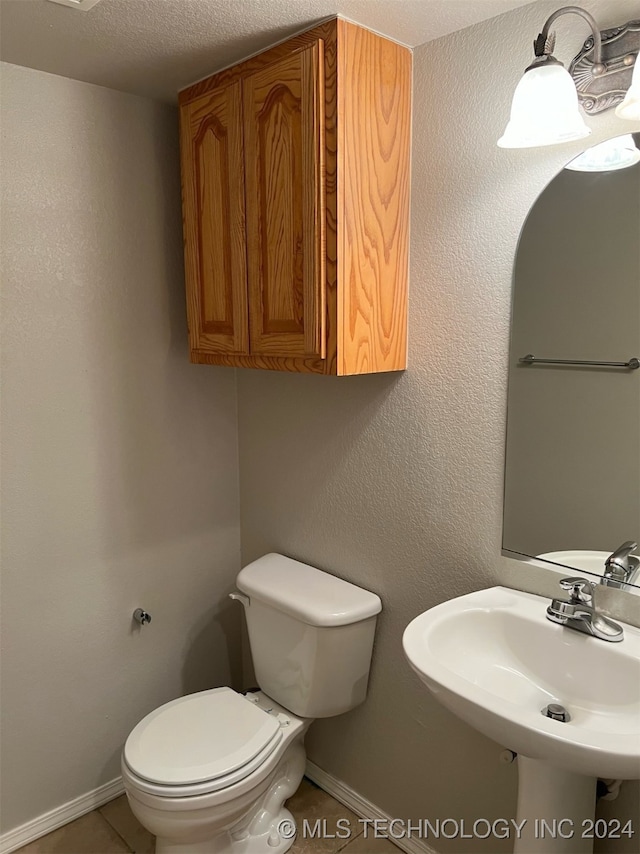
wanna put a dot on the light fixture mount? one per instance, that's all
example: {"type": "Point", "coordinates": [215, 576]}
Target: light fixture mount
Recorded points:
{"type": "Point", "coordinates": [546, 103]}
{"type": "Point", "coordinates": [544, 45]}
{"type": "Point", "coordinates": [619, 48]}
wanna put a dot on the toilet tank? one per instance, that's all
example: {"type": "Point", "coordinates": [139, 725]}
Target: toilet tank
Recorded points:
{"type": "Point", "coordinates": [311, 635]}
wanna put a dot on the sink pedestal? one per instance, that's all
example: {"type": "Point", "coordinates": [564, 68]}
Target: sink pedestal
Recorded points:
{"type": "Point", "coordinates": [555, 803]}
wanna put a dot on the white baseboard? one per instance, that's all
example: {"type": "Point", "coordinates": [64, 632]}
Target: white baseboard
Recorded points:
{"type": "Point", "coordinates": [361, 807]}
{"type": "Point", "coordinates": [54, 819]}
{"type": "Point", "coordinates": [72, 810]}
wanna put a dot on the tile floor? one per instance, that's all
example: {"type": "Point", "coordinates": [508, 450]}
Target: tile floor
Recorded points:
{"type": "Point", "coordinates": [113, 829]}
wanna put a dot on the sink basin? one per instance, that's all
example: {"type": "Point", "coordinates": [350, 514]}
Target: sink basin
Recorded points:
{"type": "Point", "coordinates": [584, 561]}
{"type": "Point", "coordinates": [493, 659]}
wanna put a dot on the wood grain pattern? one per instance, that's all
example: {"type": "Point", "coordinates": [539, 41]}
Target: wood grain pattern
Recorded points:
{"type": "Point", "coordinates": [357, 238]}
{"type": "Point", "coordinates": [284, 146]}
{"type": "Point", "coordinates": [213, 220]}
{"type": "Point", "coordinates": [330, 38]}
{"type": "Point", "coordinates": [374, 122]}
{"type": "Point", "coordinates": [325, 31]}
{"type": "Point", "coordinates": [293, 364]}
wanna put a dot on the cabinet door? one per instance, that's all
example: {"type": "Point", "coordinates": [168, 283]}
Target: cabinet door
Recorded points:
{"type": "Point", "coordinates": [214, 222]}
{"type": "Point", "coordinates": [284, 169]}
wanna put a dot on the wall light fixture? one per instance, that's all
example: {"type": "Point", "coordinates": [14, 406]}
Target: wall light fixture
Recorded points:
{"type": "Point", "coordinates": [630, 107]}
{"type": "Point", "coordinates": [549, 102]}
{"type": "Point", "coordinates": [609, 156]}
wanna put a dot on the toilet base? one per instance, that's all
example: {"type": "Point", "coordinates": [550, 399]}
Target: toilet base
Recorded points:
{"type": "Point", "coordinates": [232, 843]}
{"type": "Point", "coordinates": [245, 826]}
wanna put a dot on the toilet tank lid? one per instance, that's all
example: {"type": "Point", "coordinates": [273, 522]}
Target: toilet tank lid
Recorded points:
{"type": "Point", "coordinates": [306, 593]}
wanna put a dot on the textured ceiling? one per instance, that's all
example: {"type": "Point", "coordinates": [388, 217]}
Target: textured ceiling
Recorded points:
{"type": "Point", "coordinates": [156, 47]}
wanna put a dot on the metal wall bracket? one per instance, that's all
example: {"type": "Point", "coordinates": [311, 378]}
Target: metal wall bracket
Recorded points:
{"type": "Point", "coordinates": [620, 46]}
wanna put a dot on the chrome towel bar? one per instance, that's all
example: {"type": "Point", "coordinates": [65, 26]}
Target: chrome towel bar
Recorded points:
{"type": "Point", "coordinates": [530, 359]}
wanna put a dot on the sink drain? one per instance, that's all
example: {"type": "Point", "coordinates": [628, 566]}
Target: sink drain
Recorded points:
{"type": "Point", "coordinates": [556, 712]}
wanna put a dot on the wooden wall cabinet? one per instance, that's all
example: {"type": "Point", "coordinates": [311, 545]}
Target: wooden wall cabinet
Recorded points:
{"type": "Point", "coordinates": [295, 185]}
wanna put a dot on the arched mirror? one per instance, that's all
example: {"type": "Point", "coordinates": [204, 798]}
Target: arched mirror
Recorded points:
{"type": "Point", "coordinates": [572, 475]}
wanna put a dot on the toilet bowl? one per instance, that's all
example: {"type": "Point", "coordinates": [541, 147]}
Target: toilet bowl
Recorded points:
{"type": "Point", "coordinates": [206, 814]}
{"type": "Point", "coordinates": [210, 772]}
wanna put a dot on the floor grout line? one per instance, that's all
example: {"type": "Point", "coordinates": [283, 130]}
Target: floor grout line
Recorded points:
{"type": "Point", "coordinates": [349, 840]}
{"type": "Point", "coordinates": [115, 829]}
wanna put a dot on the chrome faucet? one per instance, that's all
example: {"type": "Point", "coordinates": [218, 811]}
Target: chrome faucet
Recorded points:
{"type": "Point", "coordinates": [579, 612]}
{"type": "Point", "coordinates": [621, 567]}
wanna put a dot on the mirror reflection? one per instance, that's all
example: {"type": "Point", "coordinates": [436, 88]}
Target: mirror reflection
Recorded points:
{"type": "Point", "coordinates": [572, 477]}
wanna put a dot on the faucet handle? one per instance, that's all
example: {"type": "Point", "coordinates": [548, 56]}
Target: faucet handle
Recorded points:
{"type": "Point", "coordinates": [621, 554]}
{"type": "Point", "coordinates": [581, 591]}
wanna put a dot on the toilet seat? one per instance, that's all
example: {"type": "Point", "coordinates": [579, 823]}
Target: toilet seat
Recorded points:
{"type": "Point", "coordinates": [200, 743]}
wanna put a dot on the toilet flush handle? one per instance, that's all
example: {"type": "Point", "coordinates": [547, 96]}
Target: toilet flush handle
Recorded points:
{"type": "Point", "coordinates": [241, 598]}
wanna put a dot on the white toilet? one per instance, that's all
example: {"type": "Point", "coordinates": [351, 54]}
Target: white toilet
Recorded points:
{"type": "Point", "coordinates": [210, 772]}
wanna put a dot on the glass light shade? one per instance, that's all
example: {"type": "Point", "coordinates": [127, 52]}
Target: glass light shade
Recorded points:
{"type": "Point", "coordinates": [617, 153]}
{"type": "Point", "coordinates": [630, 107]}
{"type": "Point", "coordinates": [545, 110]}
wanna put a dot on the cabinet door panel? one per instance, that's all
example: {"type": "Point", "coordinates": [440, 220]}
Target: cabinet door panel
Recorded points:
{"type": "Point", "coordinates": [284, 162]}
{"type": "Point", "coordinates": [214, 222]}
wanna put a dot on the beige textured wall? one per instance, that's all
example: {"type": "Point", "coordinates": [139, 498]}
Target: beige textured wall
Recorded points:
{"type": "Point", "coordinates": [573, 437]}
{"type": "Point", "coordinates": [395, 482]}
{"type": "Point", "coordinates": [119, 458]}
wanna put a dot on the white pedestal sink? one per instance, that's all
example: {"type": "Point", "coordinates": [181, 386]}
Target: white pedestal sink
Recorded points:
{"type": "Point", "coordinates": [493, 659]}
